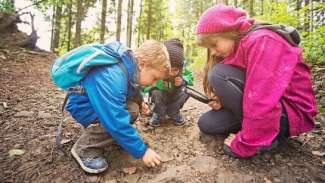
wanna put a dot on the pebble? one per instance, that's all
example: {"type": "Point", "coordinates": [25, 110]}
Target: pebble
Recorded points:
{"type": "Point", "coordinates": [24, 114]}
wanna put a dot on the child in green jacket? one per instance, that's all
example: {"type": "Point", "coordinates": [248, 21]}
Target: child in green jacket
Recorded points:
{"type": "Point", "coordinates": [168, 95]}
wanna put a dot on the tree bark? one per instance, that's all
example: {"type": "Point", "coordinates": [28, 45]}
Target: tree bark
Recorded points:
{"type": "Point", "coordinates": [139, 23]}
{"type": "Point", "coordinates": [149, 19]}
{"type": "Point", "coordinates": [119, 18]}
{"type": "Point", "coordinates": [103, 21]}
{"type": "Point", "coordinates": [77, 41]}
{"type": "Point", "coordinates": [57, 29]}
{"type": "Point", "coordinates": [69, 24]}
{"type": "Point", "coordinates": [129, 23]}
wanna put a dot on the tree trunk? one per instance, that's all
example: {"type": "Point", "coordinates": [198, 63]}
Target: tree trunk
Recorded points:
{"type": "Point", "coordinates": [149, 19]}
{"type": "Point", "coordinates": [119, 18]}
{"type": "Point", "coordinates": [251, 8]}
{"type": "Point", "coordinates": [236, 3]}
{"type": "Point", "coordinates": [69, 24]}
{"type": "Point", "coordinates": [129, 24]}
{"type": "Point", "coordinates": [306, 17]}
{"type": "Point", "coordinates": [77, 40]}
{"type": "Point", "coordinates": [52, 30]}
{"type": "Point", "coordinates": [262, 7]}
{"type": "Point", "coordinates": [298, 7]}
{"type": "Point", "coordinates": [139, 23]}
{"type": "Point", "coordinates": [103, 21]}
{"type": "Point", "coordinates": [57, 29]}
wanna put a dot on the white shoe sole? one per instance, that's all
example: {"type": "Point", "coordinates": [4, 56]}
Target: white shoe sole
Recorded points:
{"type": "Point", "coordinates": [86, 169]}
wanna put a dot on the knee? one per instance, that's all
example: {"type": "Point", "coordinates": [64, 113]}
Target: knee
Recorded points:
{"type": "Point", "coordinates": [157, 95]}
{"type": "Point", "coordinates": [203, 124]}
{"type": "Point", "coordinates": [134, 110]}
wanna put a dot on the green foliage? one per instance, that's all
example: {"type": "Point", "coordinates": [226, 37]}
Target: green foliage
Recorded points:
{"type": "Point", "coordinates": [314, 45]}
{"type": "Point", "coordinates": [6, 6]}
{"type": "Point", "coordinates": [278, 13]}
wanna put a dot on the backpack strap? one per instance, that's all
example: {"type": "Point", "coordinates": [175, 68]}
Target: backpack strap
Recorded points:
{"type": "Point", "coordinates": [289, 33]}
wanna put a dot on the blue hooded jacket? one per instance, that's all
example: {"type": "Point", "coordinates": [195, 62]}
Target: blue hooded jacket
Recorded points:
{"type": "Point", "coordinates": [107, 90]}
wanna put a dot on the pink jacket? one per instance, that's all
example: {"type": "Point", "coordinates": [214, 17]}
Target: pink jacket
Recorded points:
{"type": "Point", "coordinates": [274, 71]}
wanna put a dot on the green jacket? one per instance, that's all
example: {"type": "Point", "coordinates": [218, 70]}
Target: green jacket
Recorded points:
{"type": "Point", "coordinates": [169, 86]}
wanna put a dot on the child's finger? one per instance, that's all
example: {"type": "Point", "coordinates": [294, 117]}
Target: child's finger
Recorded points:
{"type": "Point", "coordinates": [152, 164]}
{"type": "Point", "coordinates": [157, 162]}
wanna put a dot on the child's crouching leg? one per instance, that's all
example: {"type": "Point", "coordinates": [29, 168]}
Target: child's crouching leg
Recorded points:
{"type": "Point", "coordinates": [159, 111]}
{"type": "Point", "coordinates": [178, 100]}
{"type": "Point", "coordinates": [134, 110]}
{"type": "Point", "coordinates": [89, 149]}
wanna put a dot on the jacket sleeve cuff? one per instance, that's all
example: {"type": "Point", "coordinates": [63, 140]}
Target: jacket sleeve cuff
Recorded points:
{"type": "Point", "coordinates": [140, 153]}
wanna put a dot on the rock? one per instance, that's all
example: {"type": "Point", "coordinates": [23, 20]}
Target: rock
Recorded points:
{"type": "Point", "coordinates": [131, 178]}
{"type": "Point", "coordinates": [165, 158]}
{"type": "Point", "coordinates": [318, 153]}
{"type": "Point", "coordinates": [317, 124]}
{"type": "Point", "coordinates": [267, 180]}
{"type": "Point", "coordinates": [232, 177]}
{"type": "Point", "coordinates": [130, 170]}
{"type": "Point", "coordinates": [276, 180]}
{"type": "Point", "coordinates": [204, 163]}
{"type": "Point", "coordinates": [278, 158]}
{"type": "Point", "coordinates": [24, 114]}
{"type": "Point", "coordinates": [267, 156]}
{"type": "Point", "coordinates": [4, 104]}
{"type": "Point", "coordinates": [92, 179]}
{"type": "Point", "coordinates": [44, 115]}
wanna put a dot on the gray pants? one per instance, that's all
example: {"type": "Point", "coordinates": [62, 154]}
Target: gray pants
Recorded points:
{"type": "Point", "coordinates": [95, 138]}
{"type": "Point", "coordinates": [228, 84]}
{"type": "Point", "coordinates": [168, 103]}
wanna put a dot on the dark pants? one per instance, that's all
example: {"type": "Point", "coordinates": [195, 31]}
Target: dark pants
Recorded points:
{"type": "Point", "coordinates": [168, 103]}
{"type": "Point", "coordinates": [228, 84]}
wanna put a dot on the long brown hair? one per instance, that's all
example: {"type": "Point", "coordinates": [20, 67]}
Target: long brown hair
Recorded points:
{"type": "Point", "coordinates": [205, 40]}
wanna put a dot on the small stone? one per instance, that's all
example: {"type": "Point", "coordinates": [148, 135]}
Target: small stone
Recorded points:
{"type": "Point", "coordinates": [24, 114]}
{"type": "Point", "coordinates": [131, 178]}
{"type": "Point", "coordinates": [267, 180]}
{"type": "Point", "coordinates": [92, 179]}
{"type": "Point", "coordinates": [4, 104]}
{"type": "Point", "coordinates": [277, 180]}
{"type": "Point", "coordinates": [317, 124]}
{"type": "Point", "coordinates": [278, 157]}
{"type": "Point", "coordinates": [44, 115]}
{"type": "Point", "coordinates": [318, 153]}
{"type": "Point", "coordinates": [130, 170]}
{"type": "Point", "coordinates": [267, 156]}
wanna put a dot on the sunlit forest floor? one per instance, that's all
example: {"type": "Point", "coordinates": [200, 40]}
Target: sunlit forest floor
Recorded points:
{"type": "Point", "coordinates": [30, 111]}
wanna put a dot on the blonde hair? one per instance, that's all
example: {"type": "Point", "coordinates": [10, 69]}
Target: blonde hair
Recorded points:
{"type": "Point", "coordinates": [206, 40]}
{"type": "Point", "coordinates": [155, 53]}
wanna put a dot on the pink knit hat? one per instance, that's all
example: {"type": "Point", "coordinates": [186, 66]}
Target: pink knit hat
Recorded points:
{"type": "Point", "coordinates": [222, 18]}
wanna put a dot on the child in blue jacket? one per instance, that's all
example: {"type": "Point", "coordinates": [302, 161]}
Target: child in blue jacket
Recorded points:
{"type": "Point", "coordinates": [106, 108]}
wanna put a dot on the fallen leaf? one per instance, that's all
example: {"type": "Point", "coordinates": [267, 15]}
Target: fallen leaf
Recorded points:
{"type": "Point", "coordinates": [5, 105]}
{"type": "Point", "coordinates": [317, 153]}
{"type": "Point", "coordinates": [130, 170]}
{"type": "Point", "coordinates": [64, 141]}
{"type": "Point", "coordinates": [16, 152]}
{"type": "Point", "coordinates": [165, 158]}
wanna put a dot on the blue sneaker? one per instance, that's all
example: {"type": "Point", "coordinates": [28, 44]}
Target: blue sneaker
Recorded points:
{"type": "Point", "coordinates": [155, 120]}
{"type": "Point", "coordinates": [178, 119]}
{"type": "Point", "coordinates": [90, 165]}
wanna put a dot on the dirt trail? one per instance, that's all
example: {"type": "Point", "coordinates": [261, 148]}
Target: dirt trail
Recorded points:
{"type": "Point", "coordinates": [30, 110]}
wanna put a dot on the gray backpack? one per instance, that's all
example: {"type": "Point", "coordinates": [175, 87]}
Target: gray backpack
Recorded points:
{"type": "Point", "coordinates": [289, 33]}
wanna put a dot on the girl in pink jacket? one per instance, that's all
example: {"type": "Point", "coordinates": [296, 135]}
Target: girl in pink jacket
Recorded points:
{"type": "Point", "coordinates": [261, 87]}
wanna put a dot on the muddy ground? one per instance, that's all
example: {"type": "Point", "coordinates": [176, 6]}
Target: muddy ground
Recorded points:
{"type": "Point", "coordinates": [30, 111]}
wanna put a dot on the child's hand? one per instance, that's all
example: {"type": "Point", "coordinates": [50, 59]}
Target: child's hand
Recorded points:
{"type": "Point", "coordinates": [215, 103]}
{"type": "Point", "coordinates": [229, 139]}
{"type": "Point", "coordinates": [178, 81]}
{"type": "Point", "coordinates": [151, 158]}
{"type": "Point", "coordinates": [144, 109]}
